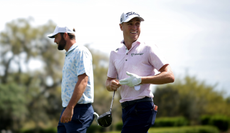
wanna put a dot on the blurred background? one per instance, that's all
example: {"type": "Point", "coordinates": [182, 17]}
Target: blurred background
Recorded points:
{"type": "Point", "coordinates": [194, 37]}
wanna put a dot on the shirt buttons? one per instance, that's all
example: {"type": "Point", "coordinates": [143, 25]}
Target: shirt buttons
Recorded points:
{"type": "Point", "coordinates": [126, 53]}
{"type": "Point", "coordinates": [125, 59]}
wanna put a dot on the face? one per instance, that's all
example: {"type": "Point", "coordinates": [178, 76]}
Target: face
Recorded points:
{"type": "Point", "coordinates": [60, 41]}
{"type": "Point", "coordinates": [131, 30]}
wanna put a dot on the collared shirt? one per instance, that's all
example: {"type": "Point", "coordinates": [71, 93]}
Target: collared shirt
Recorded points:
{"type": "Point", "coordinates": [78, 61]}
{"type": "Point", "coordinates": [140, 59]}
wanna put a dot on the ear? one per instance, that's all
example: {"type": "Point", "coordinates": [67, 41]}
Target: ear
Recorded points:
{"type": "Point", "coordinates": [65, 35]}
{"type": "Point", "coordinates": [121, 27]}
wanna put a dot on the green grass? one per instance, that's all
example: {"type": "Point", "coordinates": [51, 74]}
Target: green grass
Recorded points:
{"type": "Point", "coordinates": [186, 129]}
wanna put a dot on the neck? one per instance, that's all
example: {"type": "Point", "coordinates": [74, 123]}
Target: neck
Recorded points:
{"type": "Point", "coordinates": [69, 44]}
{"type": "Point", "coordinates": [128, 43]}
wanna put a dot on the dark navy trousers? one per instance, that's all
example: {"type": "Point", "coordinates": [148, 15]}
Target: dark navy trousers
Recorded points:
{"type": "Point", "coordinates": [138, 118]}
{"type": "Point", "coordinates": [82, 119]}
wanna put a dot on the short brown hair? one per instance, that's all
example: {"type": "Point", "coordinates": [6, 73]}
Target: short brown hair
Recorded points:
{"type": "Point", "coordinates": [71, 36]}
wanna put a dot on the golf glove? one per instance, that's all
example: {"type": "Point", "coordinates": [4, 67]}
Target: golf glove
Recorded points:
{"type": "Point", "coordinates": [131, 81]}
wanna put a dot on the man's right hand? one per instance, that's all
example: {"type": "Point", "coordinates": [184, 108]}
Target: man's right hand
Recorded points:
{"type": "Point", "coordinates": [112, 84]}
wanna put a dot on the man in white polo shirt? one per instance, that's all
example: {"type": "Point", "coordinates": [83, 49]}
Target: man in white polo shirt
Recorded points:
{"type": "Point", "coordinates": [77, 89]}
{"type": "Point", "coordinates": [131, 67]}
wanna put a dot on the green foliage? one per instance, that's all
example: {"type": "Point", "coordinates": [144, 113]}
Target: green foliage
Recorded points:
{"type": "Point", "coordinates": [205, 119]}
{"type": "Point", "coordinates": [94, 129]}
{"type": "Point", "coordinates": [168, 102]}
{"type": "Point", "coordinates": [12, 105]}
{"type": "Point", "coordinates": [119, 125]}
{"type": "Point", "coordinates": [98, 129]}
{"type": "Point", "coordinates": [190, 98]}
{"type": "Point", "coordinates": [220, 121]}
{"type": "Point", "coordinates": [48, 130]}
{"type": "Point", "coordinates": [21, 43]}
{"type": "Point", "coordinates": [170, 122]}
{"type": "Point", "coordinates": [190, 129]}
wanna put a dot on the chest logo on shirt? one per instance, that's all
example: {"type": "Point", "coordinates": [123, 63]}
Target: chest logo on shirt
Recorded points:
{"type": "Point", "coordinates": [132, 54]}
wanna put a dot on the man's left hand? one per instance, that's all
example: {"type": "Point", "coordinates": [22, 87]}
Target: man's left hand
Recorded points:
{"type": "Point", "coordinates": [131, 81]}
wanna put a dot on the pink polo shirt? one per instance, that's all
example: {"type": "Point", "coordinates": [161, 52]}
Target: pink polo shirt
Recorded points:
{"type": "Point", "coordinates": [141, 60]}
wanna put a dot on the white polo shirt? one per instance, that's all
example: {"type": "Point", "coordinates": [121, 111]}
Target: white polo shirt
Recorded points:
{"type": "Point", "coordinates": [78, 61]}
{"type": "Point", "coordinates": [140, 59]}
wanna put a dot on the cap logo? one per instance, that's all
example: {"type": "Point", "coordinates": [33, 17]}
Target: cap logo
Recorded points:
{"type": "Point", "coordinates": [132, 13]}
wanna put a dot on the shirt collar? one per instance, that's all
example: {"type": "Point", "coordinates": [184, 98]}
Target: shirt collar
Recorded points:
{"type": "Point", "coordinates": [71, 49]}
{"type": "Point", "coordinates": [133, 45]}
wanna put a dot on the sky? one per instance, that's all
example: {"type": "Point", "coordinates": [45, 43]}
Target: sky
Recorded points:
{"type": "Point", "coordinates": [194, 35]}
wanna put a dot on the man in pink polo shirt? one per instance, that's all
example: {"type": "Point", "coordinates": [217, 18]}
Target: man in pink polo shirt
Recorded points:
{"type": "Point", "coordinates": [131, 67]}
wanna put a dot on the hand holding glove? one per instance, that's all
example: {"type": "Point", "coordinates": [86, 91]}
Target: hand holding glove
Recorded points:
{"type": "Point", "coordinates": [131, 81]}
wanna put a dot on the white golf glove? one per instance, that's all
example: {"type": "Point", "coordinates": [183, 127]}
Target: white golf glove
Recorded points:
{"type": "Point", "coordinates": [131, 81]}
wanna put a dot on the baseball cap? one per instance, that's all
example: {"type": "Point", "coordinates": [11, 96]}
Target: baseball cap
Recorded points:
{"type": "Point", "coordinates": [127, 16]}
{"type": "Point", "coordinates": [59, 29]}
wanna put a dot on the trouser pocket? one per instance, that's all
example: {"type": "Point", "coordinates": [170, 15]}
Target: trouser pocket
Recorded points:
{"type": "Point", "coordinates": [154, 115]}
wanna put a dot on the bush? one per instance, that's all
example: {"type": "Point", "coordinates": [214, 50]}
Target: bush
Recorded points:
{"type": "Point", "coordinates": [205, 119]}
{"type": "Point", "coordinates": [170, 122]}
{"type": "Point", "coordinates": [93, 129]}
{"type": "Point", "coordinates": [48, 130]}
{"type": "Point", "coordinates": [221, 122]}
{"type": "Point", "coordinates": [119, 126]}
{"type": "Point", "coordinates": [97, 129]}
{"type": "Point", "coordinates": [186, 129]}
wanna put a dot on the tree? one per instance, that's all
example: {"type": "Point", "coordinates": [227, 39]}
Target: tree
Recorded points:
{"type": "Point", "coordinates": [12, 106]}
{"type": "Point", "coordinates": [20, 44]}
{"type": "Point", "coordinates": [191, 98]}
{"type": "Point", "coordinates": [167, 100]}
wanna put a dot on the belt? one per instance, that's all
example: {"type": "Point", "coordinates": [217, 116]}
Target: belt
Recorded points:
{"type": "Point", "coordinates": [128, 103]}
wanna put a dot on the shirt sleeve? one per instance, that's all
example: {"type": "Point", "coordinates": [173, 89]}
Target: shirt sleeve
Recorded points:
{"type": "Point", "coordinates": [83, 60]}
{"type": "Point", "coordinates": [112, 72]}
{"type": "Point", "coordinates": [156, 59]}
